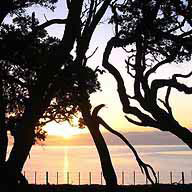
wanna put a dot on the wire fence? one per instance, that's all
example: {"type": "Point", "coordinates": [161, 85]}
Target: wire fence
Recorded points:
{"type": "Point", "coordinates": [124, 177]}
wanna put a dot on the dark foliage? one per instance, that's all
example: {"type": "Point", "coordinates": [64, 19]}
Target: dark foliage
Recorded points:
{"type": "Point", "coordinates": [154, 34]}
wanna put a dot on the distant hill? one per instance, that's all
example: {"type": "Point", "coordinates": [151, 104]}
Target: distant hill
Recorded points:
{"type": "Point", "coordinates": [136, 138]}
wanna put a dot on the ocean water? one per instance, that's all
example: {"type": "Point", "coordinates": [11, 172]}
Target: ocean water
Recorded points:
{"type": "Point", "coordinates": [80, 164]}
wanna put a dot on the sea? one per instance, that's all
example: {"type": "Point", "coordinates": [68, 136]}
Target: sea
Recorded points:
{"type": "Point", "coordinates": [81, 164]}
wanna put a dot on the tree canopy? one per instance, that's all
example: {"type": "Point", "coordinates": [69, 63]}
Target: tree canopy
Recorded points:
{"type": "Point", "coordinates": [153, 34]}
{"type": "Point", "coordinates": [41, 81]}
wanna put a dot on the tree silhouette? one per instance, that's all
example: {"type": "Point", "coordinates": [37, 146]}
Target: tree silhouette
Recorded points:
{"type": "Point", "coordinates": [9, 93]}
{"type": "Point", "coordinates": [154, 34]}
{"type": "Point", "coordinates": [11, 7]}
{"type": "Point", "coordinates": [23, 56]}
{"type": "Point", "coordinates": [28, 53]}
{"type": "Point", "coordinates": [85, 82]}
{"type": "Point", "coordinates": [145, 168]}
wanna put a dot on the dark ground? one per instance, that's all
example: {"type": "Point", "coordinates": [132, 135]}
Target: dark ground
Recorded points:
{"type": "Point", "coordinates": [121, 188]}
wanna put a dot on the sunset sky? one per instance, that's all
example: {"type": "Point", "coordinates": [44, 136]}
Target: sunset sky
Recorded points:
{"type": "Point", "coordinates": [112, 113]}
{"type": "Point", "coordinates": [64, 155]}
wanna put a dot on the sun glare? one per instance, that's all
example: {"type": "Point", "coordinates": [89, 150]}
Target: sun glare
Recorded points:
{"type": "Point", "coordinates": [63, 129]}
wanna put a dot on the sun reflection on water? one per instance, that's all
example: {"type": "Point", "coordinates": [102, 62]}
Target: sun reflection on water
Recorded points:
{"type": "Point", "coordinates": [66, 160]}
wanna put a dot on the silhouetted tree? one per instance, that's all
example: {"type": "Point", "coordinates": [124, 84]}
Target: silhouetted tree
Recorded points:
{"type": "Point", "coordinates": [6, 92]}
{"type": "Point", "coordinates": [12, 7]}
{"type": "Point", "coordinates": [36, 68]}
{"type": "Point", "coordinates": [154, 34]}
{"type": "Point", "coordinates": [22, 57]}
{"type": "Point", "coordinates": [145, 168]}
{"type": "Point", "coordinates": [85, 82]}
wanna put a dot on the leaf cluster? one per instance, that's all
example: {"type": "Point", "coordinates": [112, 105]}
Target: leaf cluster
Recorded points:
{"type": "Point", "coordinates": [25, 54]}
{"type": "Point", "coordinates": [159, 24]}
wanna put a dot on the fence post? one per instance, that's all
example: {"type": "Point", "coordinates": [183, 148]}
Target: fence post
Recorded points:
{"type": "Point", "coordinates": [171, 177]}
{"type": "Point", "coordinates": [79, 178]}
{"type": "Point", "coordinates": [134, 178]}
{"type": "Point", "coordinates": [158, 178]}
{"type": "Point", "coordinates": [67, 177]}
{"type": "Point", "coordinates": [35, 177]}
{"type": "Point", "coordinates": [57, 178]}
{"type": "Point", "coordinates": [47, 178]}
{"type": "Point", "coordinates": [89, 178]}
{"type": "Point", "coordinates": [183, 178]}
{"type": "Point", "coordinates": [191, 174]}
{"type": "Point", "coordinates": [122, 178]}
{"type": "Point", "coordinates": [101, 178]}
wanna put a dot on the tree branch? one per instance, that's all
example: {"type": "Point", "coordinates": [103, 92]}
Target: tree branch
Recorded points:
{"type": "Point", "coordinates": [134, 122]}
{"type": "Point", "coordinates": [121, 87]}
{"type": "Point", "coordinates": [89, 28]}
{"type": "Point", "coordinates": [153, 69]}
{"type": "Point", "coordinates": [166, 102]}
{"type": "Point", "coordinates": [160, 83]}
{"type": "Point", "coordinates": [145, 168]}
{"type": "Point", "coordinates": [50, 22]}
{"type": "Point", "coordinates": [120, 83]}
{"type": "Point", "coordinates": [181, 75]}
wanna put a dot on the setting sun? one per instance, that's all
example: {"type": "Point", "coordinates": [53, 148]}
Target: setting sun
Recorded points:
{"type": "Point", "coordinates": [63, 129]}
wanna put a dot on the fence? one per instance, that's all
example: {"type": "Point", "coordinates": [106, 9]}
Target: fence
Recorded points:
{"type": "Point", "coordinates": [124, 178]}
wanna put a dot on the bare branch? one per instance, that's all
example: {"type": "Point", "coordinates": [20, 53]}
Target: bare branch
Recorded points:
{"type": "Point", "coordinates": [120, 83]}
{"type": "Point", "coordinates": [45, 17]}
{"type": "Point", "coordinates": [86, 58]}
{"type": "Point", "coordinates": [50, 22]}
{"type": "Point", "coordinates": [115, 18]}
{"type": "Point", "coordinates": [134, 122]}
{"type": "Point", "coordinates": [88, 31]}
{"type": "Point", "coordinates": [121, 87]}
{"type": "Point", "coordinates": [90, 15]}
{"type": "Point", "coordinates": [153, 69]}
{"type": "Point", "coordinates": [181, 75]}
{"type": "Point", "coordinates": [166, 102]}
{"type": "Point", "coordinates": [99, 15]}
{"type": "Point", "coordinates": [129, 65]}
{"type": "Point", "coordinates": [96, 110]}
{"type": "Point", "coordinates": [139, 69]}
{"type": "Point", "coordinates": [159, 83]}
{"type": "Point", "coordinates": [92, 53]}
{"type": "Point", "coordinates": [133, 76]}
{"type": "Point", "coordinates": [144, 118]}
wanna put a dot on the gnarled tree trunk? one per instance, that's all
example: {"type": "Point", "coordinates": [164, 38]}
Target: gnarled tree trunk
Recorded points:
{"type": "Point", "coordinates": [105, 159]}
{"type": "Point", "coordinates": [3, 130]}
{"type": "Point", "coordinates": [23, 141]}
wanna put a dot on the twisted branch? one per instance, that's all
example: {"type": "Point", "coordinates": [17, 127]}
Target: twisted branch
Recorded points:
{"type": "Point", "coordinates": [145, 168]}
